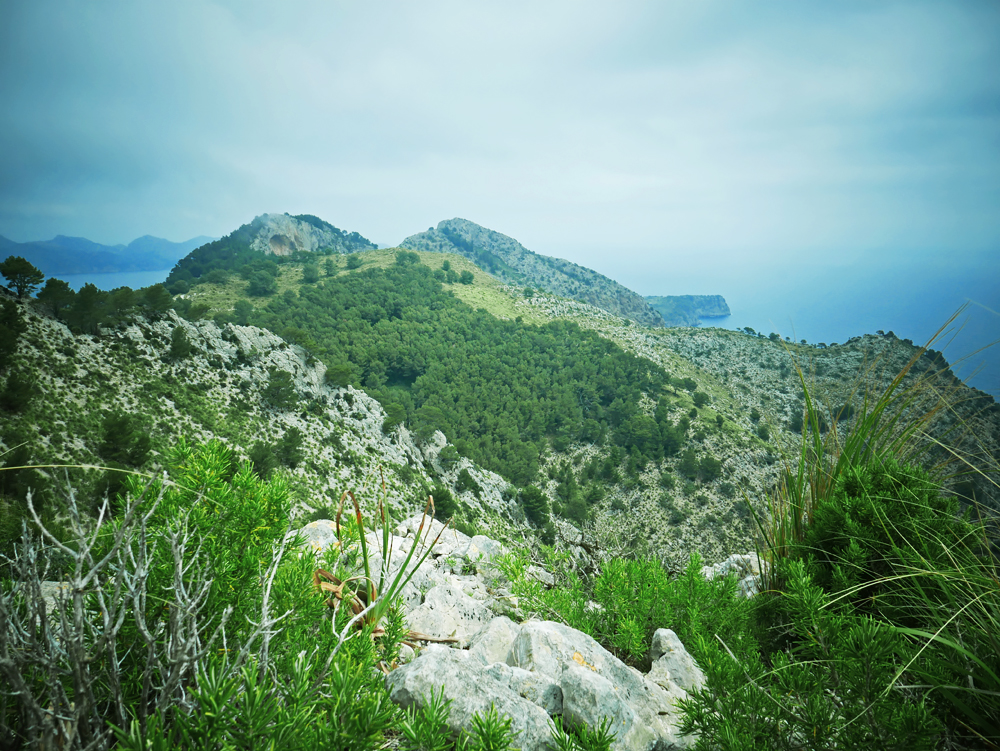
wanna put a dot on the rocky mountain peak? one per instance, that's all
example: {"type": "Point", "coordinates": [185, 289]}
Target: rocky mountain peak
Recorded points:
{"type": "Point", "coordinates": [284, 234]}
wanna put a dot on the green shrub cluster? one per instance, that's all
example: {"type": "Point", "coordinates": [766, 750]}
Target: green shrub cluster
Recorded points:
{"type": "Point", "coordinates": [206, 631]}
{"type": "Point", "coordinates": [878, 630]}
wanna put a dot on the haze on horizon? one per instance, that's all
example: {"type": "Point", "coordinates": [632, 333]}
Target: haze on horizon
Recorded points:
{"type": "Point", "coordinates": [651, 141]}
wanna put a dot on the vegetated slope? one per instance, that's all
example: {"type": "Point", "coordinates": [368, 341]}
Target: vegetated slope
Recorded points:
{"type": "Point", "coordinates": [77, 255]}
{"type": "Point", "coordinates": [509, 261]}
{"type": "Point", "coordinates": [758, 377]}
{"type": "Point", "coordinates": [268, 235]}
{"type": "Point", "coordinates": [636, 452]}
{"type": "Point", "coordinates": [686, 310]}
{"type": "Point", "coordinates": [125, 397]}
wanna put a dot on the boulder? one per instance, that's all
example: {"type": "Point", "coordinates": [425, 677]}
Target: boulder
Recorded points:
{"type": "Point", "coordinates": [553, 649]}
{"type": "Point", "coordinates": [747, 567]}
{"type": "Point", "coordinates": [450, 541]}
{"type": "Point", "coordinates": [320, 535]}
{"type": "Point", "coordinates": [535, 687]}
{"type": "Point", "coordinates": [672, 665]}
{"type": "Point", "coordinates": [448, 612]}
{"type": "Point", "coordinates": [471, 690]}
{"type": "Point", "coordinates": [589, 698]}
{"type": "Point", "coordinates": [492, 642]}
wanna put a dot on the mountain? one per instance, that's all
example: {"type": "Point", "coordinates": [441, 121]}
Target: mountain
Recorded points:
{"type": "Point", "coordinates": [686, 310]}
{"type": "Point", "coordinates": [277, 235]}
{"type": "Point", "coordinates": [508, 260]}
{"type": "Point", "coordinates": [78, 255]}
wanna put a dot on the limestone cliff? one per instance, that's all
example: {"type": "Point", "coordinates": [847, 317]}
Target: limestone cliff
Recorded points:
{"type": "Point", "coordinates": [283, 234]}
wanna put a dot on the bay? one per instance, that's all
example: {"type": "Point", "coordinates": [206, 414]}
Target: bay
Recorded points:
{"type": "Point", "coordinates": [113, 280]}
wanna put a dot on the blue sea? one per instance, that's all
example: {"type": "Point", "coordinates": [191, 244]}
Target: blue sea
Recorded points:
{"type": "Point", "coordinates": [133, 279]}
{"type": "Point", "coordinates": [834, 303]}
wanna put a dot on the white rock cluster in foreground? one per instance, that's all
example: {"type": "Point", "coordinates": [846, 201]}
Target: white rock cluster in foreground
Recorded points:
{"type": "Point", "coordinates": [530, 671]}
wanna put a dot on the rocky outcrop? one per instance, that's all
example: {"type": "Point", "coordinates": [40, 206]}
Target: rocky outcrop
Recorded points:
{"type": "Point", "coordinates": [508, 260]}
{"type": "Point", "coordinates": [530, 671]}
{"type": "Point", "coordinates": [282, 235]}
{"type": "Point", "coordinates": [686, 310]}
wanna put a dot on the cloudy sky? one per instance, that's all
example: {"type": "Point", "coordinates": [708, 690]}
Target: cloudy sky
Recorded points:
{"type": "Point", "coordinates": [641, 138]}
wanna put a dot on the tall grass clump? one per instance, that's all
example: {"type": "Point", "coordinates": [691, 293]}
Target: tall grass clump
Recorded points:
{"type": "Point", "coordinates": [879, 620]}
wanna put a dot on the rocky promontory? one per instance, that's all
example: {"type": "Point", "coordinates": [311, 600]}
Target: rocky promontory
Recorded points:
{"type": "Point", "coordinates": [685, 310]}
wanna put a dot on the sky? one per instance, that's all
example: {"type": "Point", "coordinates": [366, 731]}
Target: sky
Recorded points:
{"type": "Point", "coordinates": [679, 147]}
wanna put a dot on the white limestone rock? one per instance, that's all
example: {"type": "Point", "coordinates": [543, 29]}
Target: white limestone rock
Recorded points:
{"type": "Point", "coordinates": [471, 691]}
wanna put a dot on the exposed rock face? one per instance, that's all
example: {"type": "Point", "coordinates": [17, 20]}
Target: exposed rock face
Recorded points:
{"type": "Point", "coordinates": [685, 310]}
{"type": "Point", "coordinates": [672, 665]}
{"type": "Point", "coordinates": [282, 235]}
{"type": "Point", "coordinates": [548, 670]}
{"type": "Point", "coordinates": [508, 260]}
{"type": "Point", "coordinates": [471, 690]}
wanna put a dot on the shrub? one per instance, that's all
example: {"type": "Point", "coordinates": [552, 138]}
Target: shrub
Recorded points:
{"type": "Point", "coordinates": [12, 325]}
{"type": "Point", "coordinates": [289, 449]}
{"type": "Point", "coordinates": [310, 273]}
{"type": "Point", "coordinates": [688, 465]}
{"type": "Point", "coordinates": [206, 545]}
{"type": "Point", "coordinates": [535, 505]}
{"type": "Point", "coordinates": [280, 390]}
{"type": "Point", "coordinates": [17, 392]}
{"type": "Point", "coordinates": [262, 284]}
{"type": "Point", "coordinates": [710, 468]}
{"type": "Point", "coordinates": [395, 414]}
{"type": "Point", "coordinates": [242, 310]}
{"type": "Point", "coordinates": [445, 506]}
{"type": "Point", "coordinates": [180, 345]}
{"type": "Point", "coordinates": [466, 482]}
{"type": "Point", "coordinates": [353, 262]}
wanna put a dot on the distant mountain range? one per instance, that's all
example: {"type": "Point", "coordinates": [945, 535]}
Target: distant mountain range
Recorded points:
{"type": "Point", "coordinates": [77, 255]}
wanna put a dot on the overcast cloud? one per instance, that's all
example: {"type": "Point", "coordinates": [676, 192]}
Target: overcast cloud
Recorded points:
{"type": "Point", "coordinates": [714, 133]}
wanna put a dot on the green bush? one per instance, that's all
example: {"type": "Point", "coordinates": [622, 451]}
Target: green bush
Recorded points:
{"type": "Point", "coordinates": [180, 345]}
{"type": "Point", "coordinates": [688, 465]}
{"type": "Point", "coordinates": [280, 390]}
{"type": "Point", "coordinates": [12, 325]}
{"type": "Point", "coordinates": [445, 506]}
{"type": "Point", "coordinates": [466, 482]}
{"type": "Point", "coordinates": [310, 273]}
{"type": "Point", "coordinates": [636, 597]}
{"type": "Point", "coordinates": [535, 505]}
